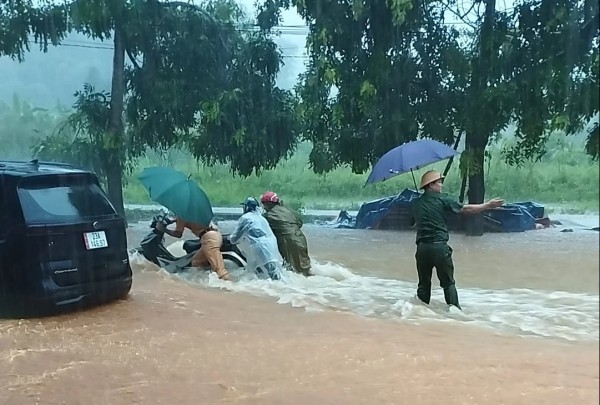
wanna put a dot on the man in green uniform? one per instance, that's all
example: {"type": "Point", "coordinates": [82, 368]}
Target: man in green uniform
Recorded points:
{"type": "Point", "coordinates": [430, 211]}
{"type": "Point", "coordinates": [286, 225]}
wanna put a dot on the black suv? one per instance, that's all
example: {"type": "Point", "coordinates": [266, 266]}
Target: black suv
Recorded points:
{"type": "Point", "coordinates": [62, 244]}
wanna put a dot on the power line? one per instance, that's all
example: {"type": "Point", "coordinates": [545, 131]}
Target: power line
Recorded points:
{"type": "Point", "coordinates": [110, 48]}
{"type": "Point", "coordinates": [96, 45]}
{"type": "Point", "coordinates": [290, 29]}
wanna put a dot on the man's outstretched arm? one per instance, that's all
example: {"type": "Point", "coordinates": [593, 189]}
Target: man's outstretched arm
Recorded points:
{"type": "Point", "coordinates": [469, 209]}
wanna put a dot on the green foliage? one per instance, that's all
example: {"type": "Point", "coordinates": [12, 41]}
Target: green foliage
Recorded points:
{"type": "Point", "coordinates": [380, 73]}
{"type": "Point", "coordinates": [225, 109]}
{"type": "Point", "coordinates": [46, 21]}
{"type": "Point", "coordinates": [378, 76]}
{"type": "Point", "coordinates": [176, 76]}
{"type": "Point", "coordinates": [552, 71]}
{"type": "Point", "coordinates": [195, 80]}
{"type": "Point", "coordinates": [83, 138]}
{"type": "Point", "coordinates": [96, 18]}
{"type": "Point", "coordinates": [565, 177]}
{"type": "Point", "coordinates": [251, 123]}
{"type": "Point", "coordinates": [592, 143]}
{"type": "Point", "coordinates": [383, 73]}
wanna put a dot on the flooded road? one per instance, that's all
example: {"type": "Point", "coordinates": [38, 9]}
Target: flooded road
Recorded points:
{"type": "Point", "coordinates": [541, 283]}
{"type": "Point", "coordinates": [545, 260]}
{"type": "Point", "coordinates": [353, 334]}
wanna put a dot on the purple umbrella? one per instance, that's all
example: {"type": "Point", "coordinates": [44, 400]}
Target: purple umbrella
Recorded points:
{"type": "Point", "coordinates": [408, 157]}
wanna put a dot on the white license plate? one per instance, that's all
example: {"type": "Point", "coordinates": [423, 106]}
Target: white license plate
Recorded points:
{"type": "Point", "coordinates": [95, 240]}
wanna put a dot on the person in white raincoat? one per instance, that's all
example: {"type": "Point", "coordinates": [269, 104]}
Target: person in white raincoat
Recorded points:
{"type": "Point", "coordinates": [256, 240]}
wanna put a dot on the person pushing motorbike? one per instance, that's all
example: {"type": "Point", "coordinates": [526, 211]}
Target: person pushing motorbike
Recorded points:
{"type": "Point", "coordinates": [211, 239]}
{"type": "Point", "coordinates": [257, 241]}
{"type": "Point", "coordinates": [286, 226]}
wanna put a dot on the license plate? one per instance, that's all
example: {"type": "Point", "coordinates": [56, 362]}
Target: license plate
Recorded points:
{"type": "Point", "coordinates": [95, 240]}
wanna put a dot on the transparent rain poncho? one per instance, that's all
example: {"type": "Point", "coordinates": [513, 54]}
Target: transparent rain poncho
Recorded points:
{"type": "Point", "coordinates": [256, 240]}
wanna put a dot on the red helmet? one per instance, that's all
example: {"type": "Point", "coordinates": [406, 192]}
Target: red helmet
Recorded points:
{"type": "Point", "coordinates": [269, 196]}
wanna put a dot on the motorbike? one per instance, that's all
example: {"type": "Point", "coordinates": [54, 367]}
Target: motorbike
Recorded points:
{"type": "Point", "coordinates": [153, 249]}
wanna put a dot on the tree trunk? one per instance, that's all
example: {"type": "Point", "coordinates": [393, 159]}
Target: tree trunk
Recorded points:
{"type": "Point", "coordinates": [476, 192]}
{"type": "Point", "coordinates": [463, 188]}
{"type": "Point", "coordinates": [114, 169]}
{"type": "Point", "coordinates": [477, 138]}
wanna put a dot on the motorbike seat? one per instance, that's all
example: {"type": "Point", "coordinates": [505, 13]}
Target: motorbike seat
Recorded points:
{"type": "Point", "coordinates": [191, 245]}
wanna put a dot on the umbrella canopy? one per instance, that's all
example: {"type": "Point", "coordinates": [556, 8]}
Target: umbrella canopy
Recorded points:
{"type": "Point", "coordinates": [174, 190]}
{"type": "Point", "coordinates": [408, 157]}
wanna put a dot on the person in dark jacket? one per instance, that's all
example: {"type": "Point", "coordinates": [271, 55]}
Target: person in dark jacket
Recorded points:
{"type": "Point", "coordinates": [286, 226]}
{"type": "Point", "coordinates": [430, 211]}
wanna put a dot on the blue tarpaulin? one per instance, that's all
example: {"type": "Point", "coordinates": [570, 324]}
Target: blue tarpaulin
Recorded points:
{"type": "Point", "coordinates": [394, 213]}
{"type": "Point", "coordinates": [516, 217]}
{"type": "Point", "coordinates": [372, 213]}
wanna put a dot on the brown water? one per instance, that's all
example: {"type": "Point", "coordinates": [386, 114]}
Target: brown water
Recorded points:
{"type": "Point", "coordinates": [545, 259]}
{"type": "Point", "coordinates": [197, 340]}
{"type": "Point", "coordinates": [542, 283]}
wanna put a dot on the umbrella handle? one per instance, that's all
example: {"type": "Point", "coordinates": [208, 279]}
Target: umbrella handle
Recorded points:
{"type": "Point", "coordinates": [413, 176]}
{"type": "Point", "coordinates": [414, 181]}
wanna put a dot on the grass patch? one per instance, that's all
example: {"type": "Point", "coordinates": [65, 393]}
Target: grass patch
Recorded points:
{"type": "Point", "coordinates": [565, 179]}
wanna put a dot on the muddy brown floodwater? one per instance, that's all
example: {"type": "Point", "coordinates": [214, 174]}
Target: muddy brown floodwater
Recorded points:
{"type": "Point", "coordinates": [175, 341]}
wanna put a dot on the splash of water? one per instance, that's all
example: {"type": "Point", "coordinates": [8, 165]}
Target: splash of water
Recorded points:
{"type": "Point", "coordinates": [522, 311]}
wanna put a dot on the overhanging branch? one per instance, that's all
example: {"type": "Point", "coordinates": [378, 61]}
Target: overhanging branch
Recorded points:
{"type": "Point", "coordinates": [132, 58]}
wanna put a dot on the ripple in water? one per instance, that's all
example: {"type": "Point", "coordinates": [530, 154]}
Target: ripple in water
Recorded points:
{"type": "Point", "coordinates": [522, 311]}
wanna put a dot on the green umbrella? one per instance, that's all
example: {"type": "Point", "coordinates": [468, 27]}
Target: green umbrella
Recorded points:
{"type": "Point", "coordinates": [174, 190]}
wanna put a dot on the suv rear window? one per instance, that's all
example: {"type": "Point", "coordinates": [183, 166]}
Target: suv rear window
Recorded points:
{"type": "Point", "coordinates": [75, 199]}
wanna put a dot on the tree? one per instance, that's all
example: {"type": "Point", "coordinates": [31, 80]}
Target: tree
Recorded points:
{"type": "Point", "coordinates": [98, 19]}
{"type": "Point", "coordinates": [250, 123]}
{"type": "Point", "coordinates": [378, 75]}
{"type": "Point", "coordinates": [401, 73]}
{"type": "Point", "coordinates": [83, 138]}
{"type": "Point", "coordinates": [528, 67]}
{"type": "Point", "coordinates": [191, 73]}
{"type": "Point", "coordinates": [563, 87]}
{"type": "Point", "coordinates": [225, 109]}
{"type": "Point", "coordinates": [20, 19]}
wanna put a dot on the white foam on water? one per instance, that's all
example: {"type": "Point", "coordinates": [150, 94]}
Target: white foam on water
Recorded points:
{"type": "Point", "coordinates": [557, 314]}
